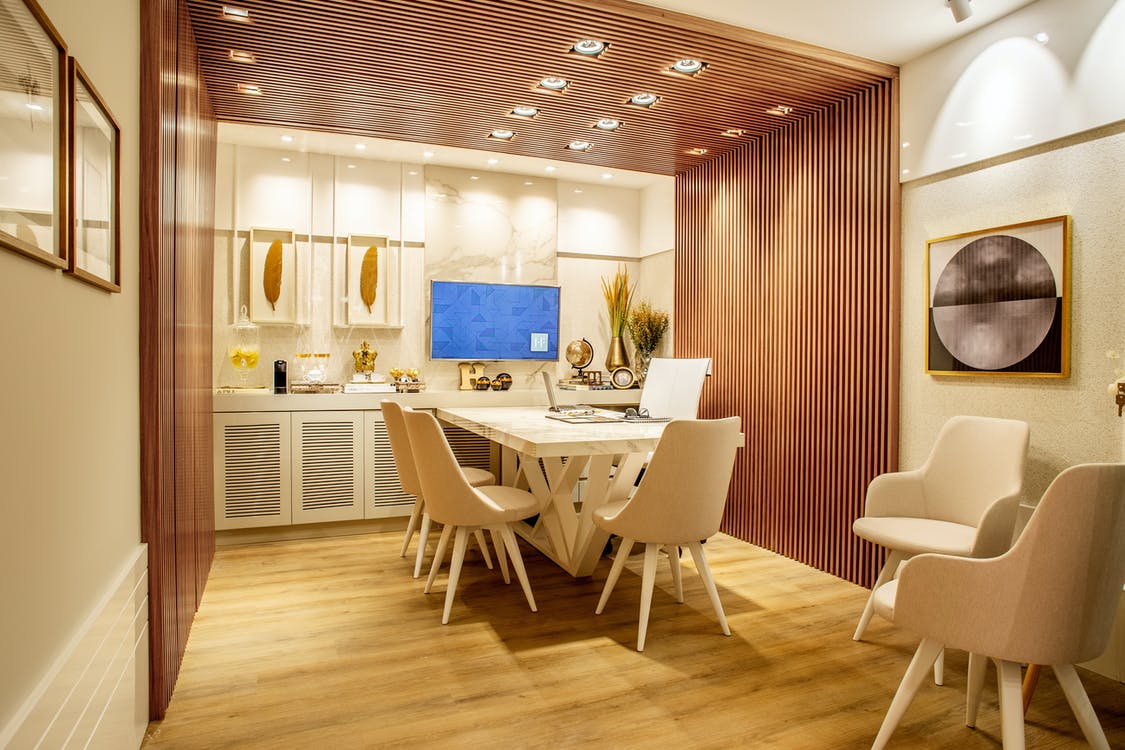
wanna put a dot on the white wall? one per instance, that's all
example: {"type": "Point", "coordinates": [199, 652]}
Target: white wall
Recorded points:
{"type": "Point", "coordinates": [69, 447]}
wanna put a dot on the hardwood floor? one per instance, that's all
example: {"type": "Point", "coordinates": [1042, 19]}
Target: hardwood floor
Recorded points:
{"type": "Point", "coordinates": [329, 643]}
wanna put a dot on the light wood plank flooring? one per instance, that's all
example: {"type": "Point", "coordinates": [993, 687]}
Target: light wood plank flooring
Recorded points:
{"type": "Point", "coordinates": [329, 643]}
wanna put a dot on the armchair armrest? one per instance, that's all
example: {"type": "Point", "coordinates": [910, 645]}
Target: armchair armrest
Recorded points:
{"type": "Point", "coordinates": [996, 527]}
{"type": "Point", "coordinates": [897, 494]}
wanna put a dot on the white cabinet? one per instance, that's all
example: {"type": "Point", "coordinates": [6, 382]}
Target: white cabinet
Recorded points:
{"type": "Point", "coordinates": [327, 470]}
{"type": "Point", "coordinates": [383, 495]}
{"type": "Point", "coordinates": [253, 484]}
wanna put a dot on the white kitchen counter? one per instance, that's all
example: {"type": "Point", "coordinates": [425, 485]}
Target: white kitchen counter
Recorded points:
{"type": "Point", "coordinates": [268, 402]}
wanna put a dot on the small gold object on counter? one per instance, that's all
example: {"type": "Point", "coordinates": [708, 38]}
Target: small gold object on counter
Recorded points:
{"type": "Point", "coordinates": [364, 358]}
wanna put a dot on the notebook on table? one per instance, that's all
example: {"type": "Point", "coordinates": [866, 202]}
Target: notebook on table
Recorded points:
{"type": "Point", "coordinates": [583, 414]}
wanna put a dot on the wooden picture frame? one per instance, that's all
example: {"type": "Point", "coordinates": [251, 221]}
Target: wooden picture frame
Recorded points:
{"type": "Point", "coordinates": [33, 214]}
{"type": "Point", "coordinates": [94, 155]}
{"type": "Point", "coordinates": [998, 301]}
{"type": "Point", "coordinates": [355, 255]}
{"type": "Point", "coordinates": [283, 310]}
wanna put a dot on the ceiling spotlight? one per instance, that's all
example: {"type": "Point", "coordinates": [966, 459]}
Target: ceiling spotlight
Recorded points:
{"type": "Point", "coordinates": [551, 168]}
{"type": "Point", "coordinates": [242, 56]}
{"type": "Point", "coordinates": [1042, 37]}
{"type": "Point", "coordinates": [696, 151]}
{"type": "Point", "coordinates": [493, 161]}
{"type": "Point", "coordinates": [607, 176]}
{"type": "Point", "coordinates": [360, 147]}
{"type": "Point", "coordinates": [427, 154]}
{"type": "Point", "coordinates": [286, 159]}
{"type": "Point", "coordinates": [236, 14]}
{"type": "Point", "coordinates": [780, 110]}
{"type": "Point", "coordinates": [589, 48]}
{"type": "Point", "coordinates": [34, 107]}
{"type": "Point", "coordinates": [286, 139]}
{"type": "Point", "coordinates": [524, 111]}
{"type": "Point", "coordinates": [553, 83]}
{"type": "Point", "coordinates": [579, 145]}
{"type": "Point", "coordinates": [351, 166]}
{"type": "Point", "coordinates": [249, 88]}
{"type": "Point", "coordinates": [688, 66]}
{"type": "Point", "coordinates": [962, 9]}
{"type": "Point", "coordinates": [644, 99]}
{"type": "Point", "coordinates": [733, 132]}
{"type": "Point", "coordinates": [608, 124]}
{"type": "Point", "coordinates": [501, 135]}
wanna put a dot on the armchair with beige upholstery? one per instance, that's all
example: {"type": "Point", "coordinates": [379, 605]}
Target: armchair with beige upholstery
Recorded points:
{"type": "Point", "coordinates": [962, 501]}
{"type": "Point", "coordinates": [463, 509]}
{"type": "Point", "coordinates": [1050, 600]}
{"type": "Point", "coordinates": [679, 502]}
{"type": "Point", "coordinates": [408, 478]}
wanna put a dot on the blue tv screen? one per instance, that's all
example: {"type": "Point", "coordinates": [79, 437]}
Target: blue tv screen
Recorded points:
{"type": "Point", "coordinates": [473, 321]}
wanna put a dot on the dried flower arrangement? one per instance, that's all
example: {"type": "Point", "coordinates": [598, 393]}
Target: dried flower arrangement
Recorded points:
{"type": "Point", "coordinates": [647, 326]}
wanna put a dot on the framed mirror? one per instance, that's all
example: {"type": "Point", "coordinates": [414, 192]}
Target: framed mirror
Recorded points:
{"type": "Point", "coordinates": [33, 133]}
{"type": "Point", "coordinates": [95, 186]}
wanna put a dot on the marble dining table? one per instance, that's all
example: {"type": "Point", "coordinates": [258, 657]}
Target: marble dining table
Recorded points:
{"type": "Point", "coordinates": [549, 457]}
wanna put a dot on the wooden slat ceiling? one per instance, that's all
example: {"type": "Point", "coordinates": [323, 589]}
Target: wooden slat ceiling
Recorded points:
{"type": "Point", "coordinates": [447, 72]}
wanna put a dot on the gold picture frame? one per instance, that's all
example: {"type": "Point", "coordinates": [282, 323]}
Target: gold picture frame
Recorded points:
{"type": "Point", "coordinates": [94, 155]}
{"type": "Point", "coordinates": [273, 265]}
{"type": "Point", "coordinates": [998, 301]}
{"type": "Point", "coordinates": [33, 208]}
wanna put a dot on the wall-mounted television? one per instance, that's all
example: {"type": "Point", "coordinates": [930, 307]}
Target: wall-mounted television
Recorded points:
{"type": "Point", "coordinates": [475, 321]}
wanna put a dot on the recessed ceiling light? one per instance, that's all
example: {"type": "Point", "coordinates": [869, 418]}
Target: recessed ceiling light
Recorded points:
{"type": "Point", "coordinates": [1042, 37]}
{"type": "Point", "coordinates": [427, 154]}
{"type": "Point", "coordinates": [644, 99]}
{"type": "Point", "coordinates": [528, 182]}
{"type": "Point", "coordinates": [579, 145]}
{"type": "Point", "coordinates": [493, 161]}
{"type": "Point", "coordinates": [242, 56]}
{"type": "Point", "coordinates": [551, 167]}
{"type": "Point", "coordinates": [413, 172]}
{"type": "Point", "coordinates": [286, 139]}
{"type": "Point", "coordinates": [351, 166]}
{"type": "Point", "coordinates": [607, 124]}
{"type": "Point", "coordinates": [34, 107]}
{"type": "Point", "coordinates": [361, 147]}
{"type": "Point", "coordinates": [235, 14]}
{"type": "Point", "coordinates": [250, 88]}
{"type": "Point", "coordinates": [553, 83]}
{"type": "Point", "coordinates": [733, 132]}
{"type": "Point", "coordinates": [473, 177]}
{"type": "Point", "coordinates": [589, 47]}
{"type": "Point", "coordinates": [576, 190]}
{"type": "Point", "coordinates": [906, 171]}
{"type": "Point", "coordinates": [906, 144]}
{"type": "Point", "coordinates": [286, 159]}
{"type": "Point", "coordinates": [607, 176]}
{"type": "Point", "coordinates": [689, 66]}
{"type": "Point", "coordinates": [501, 135]}
{"type": "Point", "coordinates": [780, 110]}
{"type": "Point", "coordinates": [524, 111]}
{"type": "Point", "coordinates": [696, 151]}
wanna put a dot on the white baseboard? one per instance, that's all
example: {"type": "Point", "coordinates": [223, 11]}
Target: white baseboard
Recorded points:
{"type": "Point", "coordinates": [96, 693]}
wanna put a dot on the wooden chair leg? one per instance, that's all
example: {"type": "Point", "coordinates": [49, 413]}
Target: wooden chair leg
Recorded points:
{"type": "Point", "coordinates": [939, 669]}
{"type": "Point", "coordinates": [1030, 680]}
{"type": "Point", "coordinates": [648, 581]}
{"type": "Point", "coordinates": [411, 525]}
{"type": "Point", "coordinates": [677, 579]}
{"type": "Point", "coordinates": [1010, 679]}
{"type": "Point", "coordinates": [439, 555]}
{"type": "Point", "coordinates": [501, 557]}
{"type": "Point", "coordinates": [614, 573]}
{"type": "Point", "coordinates": [423, 540]}
{"type": "Point", "coordinates": [513, 546]}
{"type": "Point", "coordinates": [885, 575]}
{"type": "Point", "coordinates": [459, 544]}
{"type": "Point", "coordinates": [479, 536]}
{"type": "Point", "coordinates": [1080, 705]}
{"type": "Point", "coordinates": [915, 675]}
{"type": "Point", "coordinates": [709, 583]}
{"type": "Point", "coordinates": [978, 665]}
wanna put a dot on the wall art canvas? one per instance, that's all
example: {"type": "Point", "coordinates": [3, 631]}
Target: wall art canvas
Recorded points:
{"type": "Point", "coordinates": [998, 301]}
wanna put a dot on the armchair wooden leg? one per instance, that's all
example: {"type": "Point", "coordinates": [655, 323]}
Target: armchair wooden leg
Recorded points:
{"type": "Point", "coordinates": [978, 665]}
{"type": "Point", "coordinates": [648, 581]}
{"type": "Point", "coordinates": [885, 575]}
{"type": "Point", "coordinates": [939, 669]}
{"type": "Point", "coordinates": [411, 525]}
{"type": "Point", "coordinates": [423, 540]}
{"type": "Point", "coordinates": [517, 563]}
{"type": "Point", "coordinates": [677, 578]}
{"type": "Point", "coordinates": [1030, 680]}
{"type": "Point", "coordinates": [501, 557]}
{"type": "Point", "coordinates": [1080, 705]}
{"type": "Point", "coordinates": [1010, 679]}
{"type": "Point", "coordinates": [479, 536]}
{"type": "Point", "coordinates": [614, 573]}
{"type": "Point", "coordinates": [439, 555]}
{"type": "Point", "coordinates": [709, 583]}
{"type": "Point", "coordinates": [459, 545]}
{"type": "Point", "coordinates": [924, 657]}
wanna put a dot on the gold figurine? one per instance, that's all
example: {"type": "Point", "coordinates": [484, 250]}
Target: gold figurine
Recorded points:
{"type": "Point", "coordinates": [365, 360]}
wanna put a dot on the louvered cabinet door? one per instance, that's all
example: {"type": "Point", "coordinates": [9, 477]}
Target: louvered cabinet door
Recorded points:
{"type": "Point", "coordinates": [327, 469]}
{"type": "Point", "coordinates": [252, 473]}
{"type": "Point", "coordinates": [383, 495]}
{"type": "Point", "coordinates": [469, 448]}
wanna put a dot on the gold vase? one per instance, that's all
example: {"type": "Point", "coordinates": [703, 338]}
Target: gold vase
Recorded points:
{"type": "Point", "coordinates": [617, 356]}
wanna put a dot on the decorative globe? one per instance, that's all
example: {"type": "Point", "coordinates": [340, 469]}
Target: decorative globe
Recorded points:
{"type": "Point", "coordinates": [579, 353]}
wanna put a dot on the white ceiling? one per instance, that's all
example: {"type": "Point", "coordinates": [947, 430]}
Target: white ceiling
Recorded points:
{"type": "Point", "coordinates": [890, 31]}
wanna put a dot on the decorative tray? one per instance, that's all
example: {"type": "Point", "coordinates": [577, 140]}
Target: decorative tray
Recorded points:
{"type": "Point", "coordinates": [417, 387]}
{"type": "Point", "coordinates": [305, 387]}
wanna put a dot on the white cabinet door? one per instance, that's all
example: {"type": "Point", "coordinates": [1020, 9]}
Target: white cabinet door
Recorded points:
{"type": "Point", "coordinates": [327, 469]}
{"type": "Point", "coordinates": [252, 473]}
{"type": "Point", "coordinates": [383, 495]}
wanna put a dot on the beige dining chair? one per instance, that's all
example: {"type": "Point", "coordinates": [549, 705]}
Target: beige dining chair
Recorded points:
{"type": "Point", "coordinates": [678, 503]}
{"type": "Point", "coordinates": [452, 501]}
{"type": "Point", "coordinates": [408, 478]}
{"type": "Point", "coordinates": [1050, 600]}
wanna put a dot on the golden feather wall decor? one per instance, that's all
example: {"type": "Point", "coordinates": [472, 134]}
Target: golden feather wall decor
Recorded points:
{"type": "Point", "coordinates": [369, 277]}
{"type": "Point", "coordinates": [271, 274]}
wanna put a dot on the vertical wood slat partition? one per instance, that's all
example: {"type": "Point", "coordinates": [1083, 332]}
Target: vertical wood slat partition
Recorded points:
{"type": "Point", "coordinates": [787, 275]}
{"type": "Point", "coordinates": [177, 218]}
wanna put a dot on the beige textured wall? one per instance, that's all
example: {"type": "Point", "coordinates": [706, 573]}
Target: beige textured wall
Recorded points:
{"type": "Point", "coordinates": [1072, 420]}
{"type": "Point", "coordinates": [69, 444]}
{"type": "Point", "coordinates": [657, 285]}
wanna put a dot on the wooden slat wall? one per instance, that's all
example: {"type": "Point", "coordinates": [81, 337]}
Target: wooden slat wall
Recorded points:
{"type": "Point", "coordinates": [177, 218]}
{"type": "Point", "coordinates": [787, 274]}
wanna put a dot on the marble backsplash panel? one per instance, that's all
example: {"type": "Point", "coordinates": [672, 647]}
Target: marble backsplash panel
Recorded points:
{"type": "Point", "coordinates": [488, 226]}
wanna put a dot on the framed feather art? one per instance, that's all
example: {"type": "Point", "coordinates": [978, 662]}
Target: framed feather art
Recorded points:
{"type": "Point", "coordinates": [273, 276]}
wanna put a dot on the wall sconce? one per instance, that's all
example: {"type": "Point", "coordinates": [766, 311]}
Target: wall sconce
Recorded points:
{"type": "Point", "coordinates": [962, 9]}
{"type": "Point", "coordinates": [1120, 397]}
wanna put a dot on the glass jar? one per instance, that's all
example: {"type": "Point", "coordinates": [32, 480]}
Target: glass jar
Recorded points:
{"type": "Point", "coordinates": [245, 348]}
